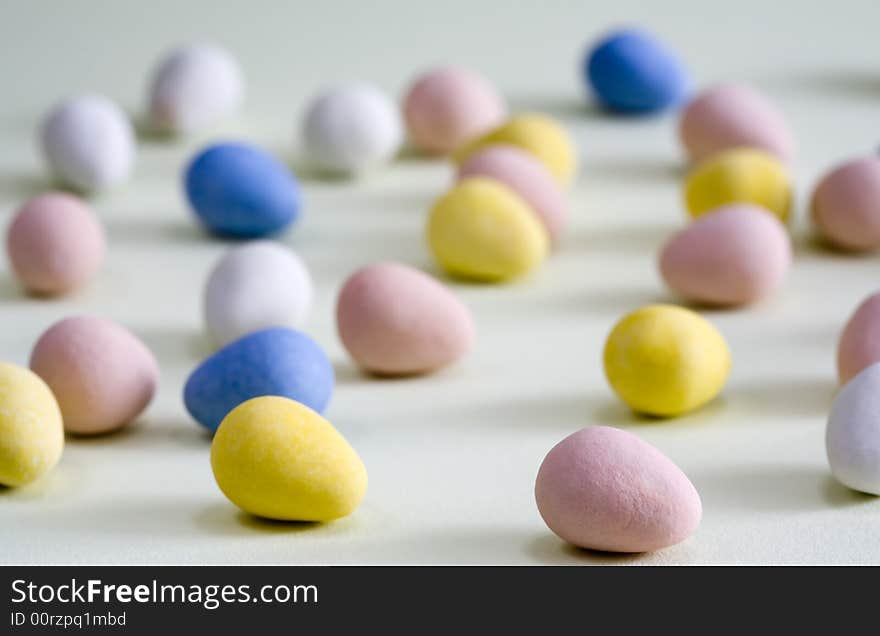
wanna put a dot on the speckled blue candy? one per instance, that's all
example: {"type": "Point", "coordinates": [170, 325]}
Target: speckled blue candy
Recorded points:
{"type": "Point", "coordinates": [275, 361]}
{"type": "Point", "coordinates": [632, 72]}
{"type": "Point", "coordinates": [240, 191]}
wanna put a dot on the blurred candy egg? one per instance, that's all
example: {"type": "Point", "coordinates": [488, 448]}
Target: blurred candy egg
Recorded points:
{"type": "Point", "coordinates": [102, 376]}
{"type": "Point", "coordinates": [241, 191]}
{"type": "Point", "coordinates": [632, 72]}
{"type": "Point", "coordinates": [193, 87]}
{"type": "Point", "coordinates": [449, 105]}
{"type": "Point", "coordinates": [525, 175]}
{"type": "Point", "coordinates": [55, 243]}
{"type": "Point", "coordinates": [732, 116]}
{"type": "Point", "coordinates": [396, 320]}
{"type": "Point", "coordinates": [605, 489]}
{"type": "Point", "coordinates": [88, 143]}
{"type": "Point", "coordinates": [859, 343]}
{"type": "Point", "coordinates": [257, 285]}
{"type": "Point", "coordinates": [351, 129]}
{"type": "Point", "coordinates": [846, 205]}
{"type": "Point", "coordinates": [733, 255]}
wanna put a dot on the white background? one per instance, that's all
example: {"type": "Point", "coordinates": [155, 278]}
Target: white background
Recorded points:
{"type": "Point", "coordinates": [451, 458]}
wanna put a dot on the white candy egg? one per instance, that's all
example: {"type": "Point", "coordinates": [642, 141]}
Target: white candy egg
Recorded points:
{"type": "Point", "coordinates": [254, 286]}
{"type": "Point", "coordinates": [88, 142]}
{"type": "Point", "coordinates": [351, 129]}
{"type": "Point", "coordinates": [194, 86]}
{"type": "Point", "coordinates": [852, 438]}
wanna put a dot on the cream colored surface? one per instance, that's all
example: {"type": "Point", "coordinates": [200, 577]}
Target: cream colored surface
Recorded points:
{"type": "Point", "coordinates": [452, 458]}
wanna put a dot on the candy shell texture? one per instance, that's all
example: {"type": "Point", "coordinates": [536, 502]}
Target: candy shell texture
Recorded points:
{"type": "Point", "coordinates": [449, 105]}
{"type": "Point", "coordinates": [482, 230]}
{"type": "Point", "coordinates": [859, 343]}
{"type": "Point", "coordinates": [276, 458]}
{"type": "Point", "coordinates": [254, 286]}
{"type": "Point", "coordinates": [102, 376]}
{"type": "Point", "coordinates": [526, 176]}
{"type": "Point", "coordinates": [852, 437]}
{"type": "Point", "coordinates": [351, 129]}
{"type": "Point", "coordinates": [193, 87]}
{"type": "Point", "coordinates": [741, 175]}
{"type": "Point", "coordinates": [537, 134]}
{"type": "Point", "coordinates": [632, 72]}
{"type": "Point", "coordinates": [733, 116]}
{"type": "Point", "coordinates": [55, 243]}
{"type": "Point", "coordinates": [734, 255]}
{"type": "Point", "coordinates": [240, 191]}
{"type": "Point", "coordinates": [605, 489]}
{"type": "Point", "coordinates": [88, 143]}
{"type": "Point", "coordinates": [31, 431]}
{"type": "Point", "coordinates": [664, 360]}
{"type": "Point", "coordinates": [396, 320]}
{"type": "Point", "coordinates": [845, 206]}
{"type": "Point", "coordinates": [275, 361]}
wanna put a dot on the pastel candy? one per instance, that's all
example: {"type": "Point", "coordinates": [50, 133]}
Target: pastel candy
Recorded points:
{"type": "Point", "coordinates": [240, 191]}
{"type": "Point", "coordinates": [396, 320]}
{"type": "Point", "coordinates": [275, 361]}
{"type": "Point", "coordinates": [526, 176]}
{"type": "Point", "coordinates": [605, 489]}
{"type": "Point", "coordinates": [733, 255]}
{"type": "Point", "coordinates": [733, 116]}
{"type": "Point", "coordinates": [55, 243]}
{"type": "Point", "coordinates": [859, 343]}
{"type": "Point", "coordinates": [845, 206]}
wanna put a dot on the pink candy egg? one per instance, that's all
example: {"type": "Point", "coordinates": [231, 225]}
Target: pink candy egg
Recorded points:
{"type": "Point", "coordinates": [55, 243]}
{"type": "Point", "coordinates": [526, 176]}
{"type": "Point", "coordinates": [734, 255]}
{"type": "Point", "coordinates": [447, 106]}
{"type": "Point", "coordinates": [605, 489]}
{"type": "Point", "coordinates": [846, 205]}
{"type": "Point", "coordinates": [859, 343]}
{"type": "Point", "coordinates": [101, 374]}
{"type": "Point", "coordinates": [396, 320]}
{"type": "Point", "coordinates": [731, 116]}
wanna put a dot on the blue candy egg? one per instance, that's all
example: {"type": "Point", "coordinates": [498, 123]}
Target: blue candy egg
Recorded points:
{"type": "Point", "coordinates": [241, 191]}
{"type": "Point", "coordinates": [274, 361]}
{"type": "Point", "coordinates": [632, 72]}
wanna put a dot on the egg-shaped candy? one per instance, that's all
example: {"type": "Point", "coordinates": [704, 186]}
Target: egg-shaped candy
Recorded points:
{"type": "Point", "coordinates": [449, 105]}
{"type": "Point", "coordinates": [852, 436]}
{"type": "Point", "coordinates": [88, 143]}
{"type": "Point", "coordinates": [733, 255]}
{"type": "Point", "coordinates": [859, 343]}
{"type": "Point", "coordinates": [632, 72]}
{"type": "Point", "coordinates": [482, 230]}
{"type": "Point", "coordinates": [275, 361]}
{"type": "Point", "coordinates": [102, 375]}
{"type": "Point", "coordinates": [740, 175]}
{"type": "Point", "coordinates": [525, 175]}
{"type": "Point", "coordinates": [254, 286]}
{"type": "Point", "coordinates": [664, 360]}
{"type": "Point", "coordinates": [240, 191]}
{"type": "Point", "coordinates": [193, 87]}
{"type": "Point", "coordinates": [351, 129]}
{"type": "Point", "coordinates": [276, 458]}
{"type": "Point", "coordinates": [605, 489]}
{"type": "Point", "coordinates": [55, 243]}
{"type": "Point", "coordinates": [396, 320]}
{"type": "Point", "coordinates": [734, 116]}
{"type": "Point", "coordinates": [845, 206]}
{"type": "Point", "coordinates": [31, 431]}
{"type": "Point", "coordinates": [535, 133]}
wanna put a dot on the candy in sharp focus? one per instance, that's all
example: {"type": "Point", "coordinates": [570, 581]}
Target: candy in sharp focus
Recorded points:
{"type": "Point", "coordinates": [859, 343]}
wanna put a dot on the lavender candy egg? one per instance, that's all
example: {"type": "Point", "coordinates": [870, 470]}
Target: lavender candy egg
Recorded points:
{"type": "Point", "coordinates": [88, 143]}
{"type": "Point", "coordinates": [734, 255]}
{"type": "Point", "coordinates": [859, 343]}
{"type": "Point", "coordinates": [733, 116]}
{"type": "Point", "coordinates": [845, 206]}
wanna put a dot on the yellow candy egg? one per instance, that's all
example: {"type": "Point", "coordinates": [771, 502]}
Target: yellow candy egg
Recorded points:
{"type": "Point", "coordinates": [31, 430]}
{"type": "Point", "coordinates": [665, 360]}
{"type": "Point", "coordinates": [482, 230]}
{"type": "Point", "coordinates": [276, 458]}
{"type": "Point", "coordinates": [740, 175]}
{"type": "Point", "coordinates": [537, 134]}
